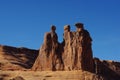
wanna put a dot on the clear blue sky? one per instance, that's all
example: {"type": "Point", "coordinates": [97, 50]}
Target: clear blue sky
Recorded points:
{"type": "Point", "coordinates": [24, 22]}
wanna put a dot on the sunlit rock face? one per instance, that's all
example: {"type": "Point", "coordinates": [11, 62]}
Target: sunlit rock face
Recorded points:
{"type": "Point", "coordinates": [74, 53]}
{"type": "Point", "coordinates": [50, 57]}
{"type": "Point", "coordinates": [77, 54]}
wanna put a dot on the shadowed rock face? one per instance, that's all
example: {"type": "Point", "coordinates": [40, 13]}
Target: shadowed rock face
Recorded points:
{"type": "Point", "coordinates": [12, 58]}
{"type": "Point", "coordinates": [74, 53]}
{"type": "Point", "coordinates": [110, 70]}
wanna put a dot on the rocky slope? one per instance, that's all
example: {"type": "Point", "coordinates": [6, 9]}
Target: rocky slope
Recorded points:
{"type": "Point", "coordinates": [12, 58]}
{"type": "Point", "coordinates": [15, 62]}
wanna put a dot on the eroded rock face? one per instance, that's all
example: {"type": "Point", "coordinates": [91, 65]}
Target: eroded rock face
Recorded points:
{"type": "Point", "coordinates": [12, 58]}
{"type": "Point", "coordinates": [74, 53]}
{"type": "Point", "coordinates": [109, 70]}
{"type": "Point", "coordinates": [49, 55]}
{"type": "Point", "coordinates": [77, 53]}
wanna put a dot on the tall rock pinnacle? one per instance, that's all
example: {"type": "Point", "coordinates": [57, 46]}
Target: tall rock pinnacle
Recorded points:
{"type": "Point", "coordinates": [49, 57]}
{"type": "Point", "coordinates": [74, 53]}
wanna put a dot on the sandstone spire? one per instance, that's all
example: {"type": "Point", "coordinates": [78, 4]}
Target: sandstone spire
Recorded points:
{"type": "Point", "coordinates": [49, 56]}
{"type": "Point", "coordinates": [83, 48]}
{"type": "Point", "coordinates": [77, 53]}
{"type": "Point", "coordinates": [74, 53]}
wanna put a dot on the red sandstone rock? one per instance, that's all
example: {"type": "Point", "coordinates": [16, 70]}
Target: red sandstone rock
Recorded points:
{"type": "Point", "coordinates": [74, 53]}
{"type": "Point", "coordinates": [77, 53]}
{"type": "Point", "coordinates": [12, 58]}
{"type": "Point", "coordinates": [49, 55]}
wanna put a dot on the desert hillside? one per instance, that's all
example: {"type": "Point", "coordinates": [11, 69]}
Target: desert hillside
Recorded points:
{"type": "Point", "coordinates": [12, 58]}
{"type": "Point", "coordinates": [17, 62]}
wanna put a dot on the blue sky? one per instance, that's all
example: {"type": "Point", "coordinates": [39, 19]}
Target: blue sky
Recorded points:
{"type": "Point", "coordinates": [24, 22]}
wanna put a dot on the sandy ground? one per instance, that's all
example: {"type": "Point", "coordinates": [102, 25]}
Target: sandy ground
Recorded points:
{"type": "Point", "coordinates": [47, 75]}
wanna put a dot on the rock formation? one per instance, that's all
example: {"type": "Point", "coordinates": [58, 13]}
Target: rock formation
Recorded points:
{"type": "Point", "coordinates": [77, 53]}
{"type": "Point", "coordinates": [49, 55]}
{"type": "Point", "coordinates": [73, 57]}
{"type": "Point", "coordinates": [110, 70]}
{"type": "Point", "coordinates": [12, 58]}
{"type": "Point", "coordinates": [74, 53]}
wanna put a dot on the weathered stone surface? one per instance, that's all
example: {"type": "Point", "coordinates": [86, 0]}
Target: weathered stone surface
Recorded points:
{"type": "Point", "coordinates": [12, 58]}
{"type": "Point", "coordinates": [18, 78]}
{"type": "Point", "coordinates": [74, 53]}
{"type": "Point", "coordinates": [77, 53]}
{"type": "Point", "coordinates": [68, 55]}
{"type": "Point", "coordinates": [73, 57]}
{"type": "Point", "coordinates": [109, 70]}
{"type": "Point", "coordinates": [50, 75]}
{"type": "Point", "coordinates": [49, 55]}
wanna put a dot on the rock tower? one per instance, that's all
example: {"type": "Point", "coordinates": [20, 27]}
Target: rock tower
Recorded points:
{"type": "Point", "coordinates": [74, 53]}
